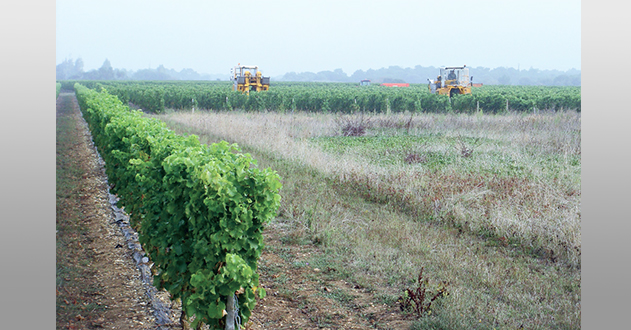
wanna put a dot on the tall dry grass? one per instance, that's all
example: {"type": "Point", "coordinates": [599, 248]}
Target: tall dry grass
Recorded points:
{"type": "Point", "coordinates": [330, 198]}
{"type": "Point", "coordinates": [537, 207]}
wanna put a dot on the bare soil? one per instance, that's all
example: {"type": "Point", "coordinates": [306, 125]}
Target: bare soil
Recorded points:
{"type": "Point", "coordinates": [99, 285]}
{"type": "Point", "coordinates": [303, 297]}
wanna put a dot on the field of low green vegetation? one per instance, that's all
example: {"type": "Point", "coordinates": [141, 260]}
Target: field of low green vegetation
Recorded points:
{"type": "Point", "coordinates": [488, 203]}
{"type": "Point", "coordinates": [158, 96]}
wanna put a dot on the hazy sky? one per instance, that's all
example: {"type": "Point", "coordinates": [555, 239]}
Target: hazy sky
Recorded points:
{"type": "Point", "coordinates": [284, 36]}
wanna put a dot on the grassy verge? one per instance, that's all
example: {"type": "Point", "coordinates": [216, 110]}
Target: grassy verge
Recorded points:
{"type": "Point", "coordinates": [355, 207]}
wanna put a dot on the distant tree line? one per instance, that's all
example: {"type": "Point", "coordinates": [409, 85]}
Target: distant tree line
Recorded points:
{"type": "Point", "coordinates": [420, 74]}
{"type": "Point", "coordinates": [73, 70]}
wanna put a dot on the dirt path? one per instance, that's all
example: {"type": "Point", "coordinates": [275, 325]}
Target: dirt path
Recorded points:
{"type": "Point", "coordinates": [99, 285]}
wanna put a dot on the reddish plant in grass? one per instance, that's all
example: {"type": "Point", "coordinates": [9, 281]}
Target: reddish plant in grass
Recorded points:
{"type": "Point", "coordinates": [353, 125]}
{"type": "Point", "coordinates": [419, 298]}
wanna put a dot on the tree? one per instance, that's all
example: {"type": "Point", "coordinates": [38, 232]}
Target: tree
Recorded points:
{"type": "Point", "coordinates": [150, 74]}
{"type": "Point", "coordinates": [63, 69]}
{"type": "Point", "coordinates": [69, 70]}
{"type": "Point", "coordinates": [78, 68]}
{"type": "Point", "coordinates": [106, 72]}
{"type": "Point", "coordinates": [338, 76]}
{"type": "Point", "coordinates": [504, 80]}
{"type": "Point", "coordinates": [189, 74]}
{"type": "Point", "coordinates": [120, 74]}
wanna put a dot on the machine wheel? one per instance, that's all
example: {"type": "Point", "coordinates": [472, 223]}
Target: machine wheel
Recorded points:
{"type": "Point", "coordinates": [453, 92]}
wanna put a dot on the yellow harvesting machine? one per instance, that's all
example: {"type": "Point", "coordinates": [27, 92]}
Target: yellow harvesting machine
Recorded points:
{"type": "Point", "coordinates": [248, 78]}
{"type": "Point", "coordinates": [452, 80]}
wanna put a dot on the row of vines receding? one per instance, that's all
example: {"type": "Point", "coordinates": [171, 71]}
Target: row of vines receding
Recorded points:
{"type": "Point", "coordinates": [156, 97]}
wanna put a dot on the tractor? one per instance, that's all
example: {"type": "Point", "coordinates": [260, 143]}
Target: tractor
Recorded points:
{"type": "Point", "coordinates": [451, 81]}
{"type": "Point", "coordinates": [248, 78]}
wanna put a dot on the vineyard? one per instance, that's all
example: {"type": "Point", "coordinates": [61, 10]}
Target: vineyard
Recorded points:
{"type": "Point", "coordinates": [156, 96]}
{"type": "Point", "coordinates": [199, 209]}
{"type": "Point", "coordinates": [487, 207]}
{"type": "Point", "coordinates": [489, 203]}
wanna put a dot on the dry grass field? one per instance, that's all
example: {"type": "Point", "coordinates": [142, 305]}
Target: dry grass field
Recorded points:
{"type": "Point", "coordinates": [488, 205]}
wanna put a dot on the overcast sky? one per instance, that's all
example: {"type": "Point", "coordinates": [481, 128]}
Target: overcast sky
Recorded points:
{"type": "Point", "coordinates": [284, 36]}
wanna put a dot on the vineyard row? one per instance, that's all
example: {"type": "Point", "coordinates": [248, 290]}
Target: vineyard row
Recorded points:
{"type": "Point", "coordinates": [199, 209]}
{"type": "Point", "coordinates": [154, 96]}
